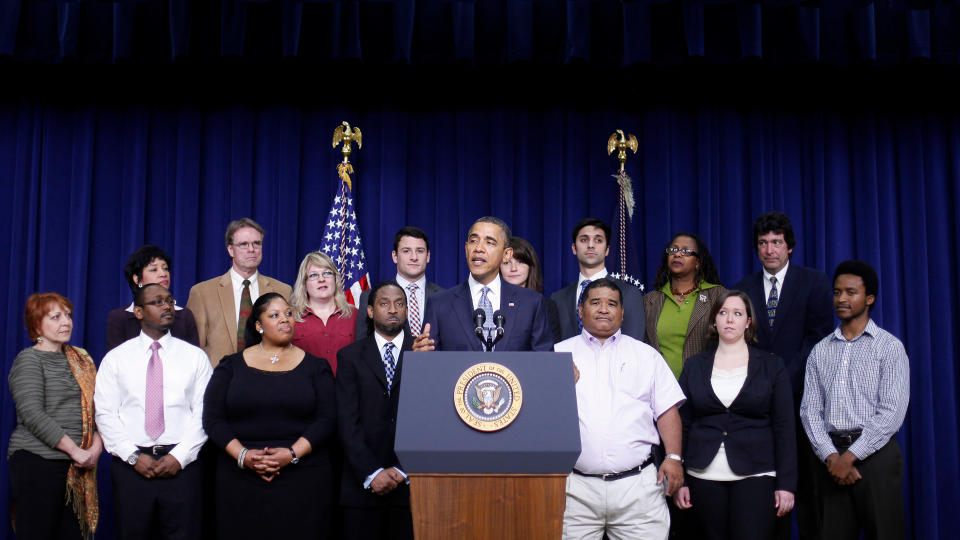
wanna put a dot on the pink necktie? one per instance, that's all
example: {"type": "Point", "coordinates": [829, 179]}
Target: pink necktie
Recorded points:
{"type": "Point", "coordinates": [153, 399]}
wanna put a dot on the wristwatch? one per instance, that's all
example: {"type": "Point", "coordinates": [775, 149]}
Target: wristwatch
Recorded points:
{"type": "Point", "coordinates": [674, 456]}
{"type": "Point", "coordinates": [132, 459]}
{"type": "Point", "coordinates": [295, 459]}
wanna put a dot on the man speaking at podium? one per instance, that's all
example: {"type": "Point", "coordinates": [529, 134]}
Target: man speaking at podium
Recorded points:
{"type": "Point", "coordinates": [486, 307]}
{"type": "Point", "coordinates": [627, 400]}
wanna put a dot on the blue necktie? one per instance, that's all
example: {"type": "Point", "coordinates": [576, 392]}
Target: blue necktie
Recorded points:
{"type": "Point", "coordinates": [772, 301]}
{"type": "Point", "coordinates": [389, 362]}
{"type": "Point", "coordinates": [583, 287]}
{"type": "Point", "coordinates": [487, 308]}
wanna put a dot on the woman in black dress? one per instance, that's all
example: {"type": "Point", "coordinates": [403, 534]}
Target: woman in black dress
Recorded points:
{"type": "Point", "coordinates": [272, 408]}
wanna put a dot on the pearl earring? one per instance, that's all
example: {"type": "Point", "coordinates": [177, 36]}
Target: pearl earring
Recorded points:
{"type": "Point", "coordinates": [260, 330]}
{"type": "Point", "coordinates": [39, 339]}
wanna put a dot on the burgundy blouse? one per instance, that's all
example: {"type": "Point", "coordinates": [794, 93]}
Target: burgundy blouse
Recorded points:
{"type": "Point", "coordinates": [324, 340]}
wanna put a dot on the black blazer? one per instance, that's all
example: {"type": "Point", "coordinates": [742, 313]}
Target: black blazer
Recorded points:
{"type": "Point", "coordinates": [450, 315]}
{"type": "Point", "coordinates": [758, 429]}
{"type": "Point", "coordinates": [362, 330]}
{"type": "Point", "coordinates": [123, 325]}
{"type": "Point", "coordinates": [634, 319]}
{"type": "Point", "coordinates": [367, 415]}
{"type": "Point", "coordinates": [804, 317]}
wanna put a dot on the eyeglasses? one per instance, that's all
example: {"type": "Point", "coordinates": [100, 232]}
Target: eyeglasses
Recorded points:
{"type": "Point", "coordinates": [681, 252]}
{"type": "Point", "coordinates": [255, 245]}
{"type": "Point", "coordinates": [160, 302]}
{"type": "Point", "coordinates": [313, 276]}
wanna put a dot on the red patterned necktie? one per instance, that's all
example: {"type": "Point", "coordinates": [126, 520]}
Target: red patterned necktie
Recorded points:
{"type": "Point", "coordinates": [246, 306]}
{"type": "Point", "coordinates": [414, 309]}
{"type": "Point", "coordinates": [153, 397]}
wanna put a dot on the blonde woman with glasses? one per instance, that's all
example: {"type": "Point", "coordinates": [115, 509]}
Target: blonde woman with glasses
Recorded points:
{"type": "Point", "coordinates": [326, 322]}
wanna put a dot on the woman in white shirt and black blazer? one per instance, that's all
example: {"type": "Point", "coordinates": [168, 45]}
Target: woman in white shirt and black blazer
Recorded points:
{"type": "Point", "coordinates": [739, 444]}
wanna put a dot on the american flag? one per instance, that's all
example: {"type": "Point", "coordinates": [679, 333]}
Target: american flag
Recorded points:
{"type": "Point", "coordinates": [341, 242]}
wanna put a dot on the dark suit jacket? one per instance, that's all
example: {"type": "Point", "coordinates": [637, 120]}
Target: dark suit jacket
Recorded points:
{"type": "Point", "coordinates": [123, 325]}
{"type": "Point", "coordinates": [698, 329]}
{"type": "Point", "coordinates": [757, 430]}
{"type": "Point", "coordinates": [367, 421]}
{"type": "Point", "coordinates": [634, 321]}
{"type": "Point", "coordinates": [362, 328]}
{"type": "Point", "coordinates": [804, 317]}
{"type": "Point", "coordinates": [526, 328]}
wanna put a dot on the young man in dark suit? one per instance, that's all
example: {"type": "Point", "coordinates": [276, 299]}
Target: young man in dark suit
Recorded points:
{"type": "Point", "coordinates": [374, 493]}
{"type": "Point", "coordinates": [591, 245]}
{"type": "Point", "coordinates": [411, 254]}
{"type": "Point", "coordinates": [793, 304]}
{"type": "Point", "coordinates": [450, 315]}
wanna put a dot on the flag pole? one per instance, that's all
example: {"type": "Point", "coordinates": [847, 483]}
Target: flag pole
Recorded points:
{"type": "Point", "coordinates": [625, 201]}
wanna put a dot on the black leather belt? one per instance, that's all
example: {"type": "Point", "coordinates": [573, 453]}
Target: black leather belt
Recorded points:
{"type": "Point", "coordinates": [159, 450]}
{"type": "Point", "coordinates": [609, 477]}
{"type": "Point", "coordinates": [844, 439]}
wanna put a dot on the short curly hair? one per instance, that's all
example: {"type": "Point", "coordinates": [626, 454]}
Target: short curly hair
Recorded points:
{"type": "Point", "coordinates": [140, 259]}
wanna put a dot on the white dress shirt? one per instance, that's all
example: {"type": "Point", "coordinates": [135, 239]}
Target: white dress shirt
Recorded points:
{"type": "Point", "coordinates": [781, 275]}
{"type": "Point", "coordinates": [624, 387]}
{"type": "Point", "coordinates": [597, 275]}
{"type": "Point", "coordinates": [120, 403]}
{"type": "Point", "coordinates": [421, 292]}
{"type": "Point", "coordinates": [237, 280]}
{"type": "Point", "coordinates": [476, 291]}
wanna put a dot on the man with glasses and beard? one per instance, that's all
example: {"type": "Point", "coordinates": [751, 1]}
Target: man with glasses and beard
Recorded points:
{"type": "Point", "coordinates": [149, 410]}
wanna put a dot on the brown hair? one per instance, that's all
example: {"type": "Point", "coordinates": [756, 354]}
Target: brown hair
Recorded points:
{"type": "Point", "coordinates": [524, 252]}
{"type": "Point", "coordinates": [238, 224]}
{"type": "Point", "coordinates": [38, 304]}
{"type": "Point", "coordinates": [750, 332]}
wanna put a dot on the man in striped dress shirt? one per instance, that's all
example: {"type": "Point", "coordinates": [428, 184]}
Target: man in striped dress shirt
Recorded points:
{"type": "Point", "coordinates": [856, 391]}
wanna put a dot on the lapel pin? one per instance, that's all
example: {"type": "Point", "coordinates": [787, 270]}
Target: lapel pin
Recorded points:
{"type": "Point", "coordinates": [511, 304]}
{"type": "Point", "coordinates": [703, 297]}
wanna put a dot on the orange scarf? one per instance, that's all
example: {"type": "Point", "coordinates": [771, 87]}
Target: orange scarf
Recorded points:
{"type": "Point", "coordinates": [82, 483]}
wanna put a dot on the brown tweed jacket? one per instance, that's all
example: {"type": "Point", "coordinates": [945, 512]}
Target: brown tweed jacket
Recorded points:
{"type": "Point", "coordinates": [698, 329]}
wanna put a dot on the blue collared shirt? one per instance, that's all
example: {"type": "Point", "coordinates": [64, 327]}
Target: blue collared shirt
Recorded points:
{"type": "Point", "coordinates": [862, 383]}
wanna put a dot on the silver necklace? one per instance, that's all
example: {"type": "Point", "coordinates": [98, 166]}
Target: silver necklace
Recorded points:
{"type": "Point", "coordinates": [276, 356]}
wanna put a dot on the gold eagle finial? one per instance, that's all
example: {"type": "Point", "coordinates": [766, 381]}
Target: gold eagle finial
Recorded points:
{"type": "Point", "coordinates": [346, 135]}
{"type": "Point", "coordinates": [621, 145]}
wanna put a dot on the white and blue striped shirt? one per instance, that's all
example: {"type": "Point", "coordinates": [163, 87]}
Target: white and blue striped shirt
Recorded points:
{"type": "Point", "coordinates": [862, 383]}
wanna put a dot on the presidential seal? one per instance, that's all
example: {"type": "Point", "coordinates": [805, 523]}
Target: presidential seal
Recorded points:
{"type": "Point", "coordinates": [487, 396]}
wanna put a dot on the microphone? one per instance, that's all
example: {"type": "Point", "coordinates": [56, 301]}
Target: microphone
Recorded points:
{"type": "Point", "coordinates": [498, 320]}
{"type": "Point", "coordinates": [479, 317]}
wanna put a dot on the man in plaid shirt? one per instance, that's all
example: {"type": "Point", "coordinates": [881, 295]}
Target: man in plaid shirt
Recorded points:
{"type": "Point", "coordinates": [856, 391]}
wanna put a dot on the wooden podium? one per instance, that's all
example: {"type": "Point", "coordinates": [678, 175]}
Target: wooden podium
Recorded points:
{"type": "Point", "coordinates": [466, 483]}
{"type": "Point", "coordinates": [459, 506]}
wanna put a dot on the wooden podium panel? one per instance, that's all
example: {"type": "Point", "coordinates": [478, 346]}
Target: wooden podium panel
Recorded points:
{"type": "Point", "coordinates": [480, 506]}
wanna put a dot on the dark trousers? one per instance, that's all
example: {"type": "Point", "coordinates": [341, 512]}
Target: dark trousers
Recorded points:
{"type": "Point", "coordinates": [168, 508]}
{"type": "Point", "coordinates": [379, 523]}
{"type": "Point", "coordinates": [741, 509]}
{"type": "Point", "coordinates": [38, 487]}
{"type": "Point", "coordinates": [807, 502]}
{"type": "Point", "coordinates": [873, 504]}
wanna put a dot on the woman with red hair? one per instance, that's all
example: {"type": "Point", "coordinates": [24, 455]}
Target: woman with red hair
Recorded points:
{"type": "Point", "coordinates": [55, 445]}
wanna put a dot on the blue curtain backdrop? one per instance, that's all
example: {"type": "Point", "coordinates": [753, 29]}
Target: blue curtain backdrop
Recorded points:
{"type": "Point", "coordinates": [89, 179]}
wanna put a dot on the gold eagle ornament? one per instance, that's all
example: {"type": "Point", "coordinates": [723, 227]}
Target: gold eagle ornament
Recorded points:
{"type": "Point", "coordinates": [621, 145]}
{"type": "Point", "coordinates": [346, 135]}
